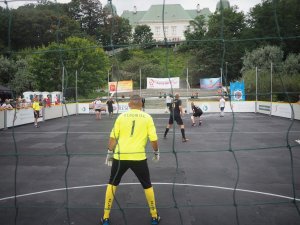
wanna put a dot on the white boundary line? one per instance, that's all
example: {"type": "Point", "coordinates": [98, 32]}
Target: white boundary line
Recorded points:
{"type": "Point", "coordinates": [157, 183]}
{"type": "Point", "coordinates": [198, 132]}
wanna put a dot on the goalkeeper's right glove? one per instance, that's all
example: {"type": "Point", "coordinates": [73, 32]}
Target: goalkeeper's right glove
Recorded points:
{"type": "Point", "coordinates": [109, 157]}
{"type": "Point", "coordinates": [156, 156]}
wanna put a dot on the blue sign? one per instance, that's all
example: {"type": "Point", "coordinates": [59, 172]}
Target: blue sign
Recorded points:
{"type": "Point", "coordinates": [237, 91]}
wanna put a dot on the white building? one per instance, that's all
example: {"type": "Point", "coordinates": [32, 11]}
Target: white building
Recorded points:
{"type": "Point", "coordinates": [175, 20]}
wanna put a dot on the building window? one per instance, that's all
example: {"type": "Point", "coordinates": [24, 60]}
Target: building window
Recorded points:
{"type": "Point", "coordinates": [157, 31]}
{"type": "Point", "coordinates": [173, 30]}
{"type": "Point", "coordinates": [166, 31]}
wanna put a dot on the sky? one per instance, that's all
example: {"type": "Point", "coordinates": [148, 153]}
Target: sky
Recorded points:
{"type": "Point", "coordinates": [143, 5]}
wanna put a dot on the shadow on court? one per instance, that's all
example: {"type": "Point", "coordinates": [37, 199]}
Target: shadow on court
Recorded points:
{"type": "Point", "coordinates": [238, 169]}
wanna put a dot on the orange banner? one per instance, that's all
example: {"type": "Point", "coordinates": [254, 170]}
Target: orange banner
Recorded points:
{"type": "Point", "coordinates": [121, 86]}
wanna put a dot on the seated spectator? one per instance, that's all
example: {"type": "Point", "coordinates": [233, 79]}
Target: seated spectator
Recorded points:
{"type": "Point", "coordinates": [6, 104]}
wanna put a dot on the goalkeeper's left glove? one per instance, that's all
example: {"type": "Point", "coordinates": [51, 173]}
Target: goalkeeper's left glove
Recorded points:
{"type": "Point", "coordinates": [156, 156]}
{"type": "Point", "coordinates": [109, 157]}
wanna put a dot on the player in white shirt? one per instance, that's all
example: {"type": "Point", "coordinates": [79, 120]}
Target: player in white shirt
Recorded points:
{"type": "Point", "coordinates": [97, 107]}
{"type": "Point", "coordinates": [222, 105]}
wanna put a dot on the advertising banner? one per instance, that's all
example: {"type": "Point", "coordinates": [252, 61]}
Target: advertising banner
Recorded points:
{"type": "Point", "coordinates": [162, 83]}
{"type": "Point", "coordinates": [121, 86]}
{"type": "Point", "coordinates": [210, 83]}
{"type": "Point", "coordinates": [237, 91]}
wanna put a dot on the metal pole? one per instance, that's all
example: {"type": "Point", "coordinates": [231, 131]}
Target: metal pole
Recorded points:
{"type": "Point", "coordinates": [271, 97]}
{"type": "Point", "coordinates": [221, 71]}
{"type": "Point", "coordinates": [76, 89]}
{"type": "Point", "coordinates": [140, 82]}
{"type": "Point", "coordinates": [62, 91]}
{"type": "Point", "coordinates": [187, 82]}
{"type": "Point", "coordinates": [107, 83]}
{"type": "Point", "coordinates": [226, 63]}
{"type": "Point", "coordinates": [256, 75]}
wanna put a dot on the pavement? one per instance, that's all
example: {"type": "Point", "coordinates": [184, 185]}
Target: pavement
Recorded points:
{"type": "Point", "coordinates": [243, 168]}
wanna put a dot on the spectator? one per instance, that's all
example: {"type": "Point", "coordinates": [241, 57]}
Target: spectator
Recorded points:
{"type": "Point", "coordinates": [6, 104]}
{"type": "Point", "coordinates": [48, 101]}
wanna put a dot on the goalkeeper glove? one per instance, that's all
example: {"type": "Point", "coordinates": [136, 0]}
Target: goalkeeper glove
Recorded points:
{"type": "Point", "coordinates": [109, 157]}
{"type": "Point", "coordinates": [156, 156]}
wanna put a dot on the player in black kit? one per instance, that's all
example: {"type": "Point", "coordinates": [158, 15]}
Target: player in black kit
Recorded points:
{"type": "Point", "coordinates": [176, 111]}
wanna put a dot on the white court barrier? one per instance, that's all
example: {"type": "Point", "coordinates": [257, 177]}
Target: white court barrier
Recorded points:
{"type": "Point", "coordinates": [9, 118]}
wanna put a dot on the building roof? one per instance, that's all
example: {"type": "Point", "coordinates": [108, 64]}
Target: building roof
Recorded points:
{"type": "Point", "coordinates": [204, 12]}
{"type": "Point", "coordinates": [172, 12]}
{"type": "Point", "coordinates": [133, 17]}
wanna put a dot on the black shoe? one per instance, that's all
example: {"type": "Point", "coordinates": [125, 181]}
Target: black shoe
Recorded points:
{"type": "Point", "coordinates": [193, 125]}
{"type": "Point", "coordinates": [184, 139]}
{"type": "Point", "coordinates": [200, 123]}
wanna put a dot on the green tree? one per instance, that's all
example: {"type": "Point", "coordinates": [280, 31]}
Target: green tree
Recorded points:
{"type": "Point", "coordinates": [114, 31]}
{"type": "Point", "coordinates": [15, 74]}
{"type": "Point", "coordinates": [143, 36]}
{"type": "Point", "coordinates": [7, 70]}
{"type": "Point", "coordinates": [88, 13]}
{"type": "Point", "coordinates": [262, 58]}
{"type": "Point", "coordinates": [195, 32]}
{"type": "Point", "coordinates": [218, 45]}
{"type": "Point", "coordinates": [23, 79]}
{"type": "Point", "coordinates": [33, 26]}
{"type": "Point", "coordinates": [76, 54]}
{"type": "Point", "coordinates": [276, 23]}
{"type": "Point", "coordinates": [286, 74]}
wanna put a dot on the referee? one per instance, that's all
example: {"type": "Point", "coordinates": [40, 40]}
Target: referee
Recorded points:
{"type": "Point", "coordinates": [126, 150]}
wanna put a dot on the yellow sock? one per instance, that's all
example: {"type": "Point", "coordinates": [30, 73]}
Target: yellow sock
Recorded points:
{"type": "Point", "coordinates": [151, 201]}
{"type": "Point", "coordinates": [109, 198]}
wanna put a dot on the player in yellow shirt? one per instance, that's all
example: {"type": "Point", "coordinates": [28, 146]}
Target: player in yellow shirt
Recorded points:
{"type": "Point", "coordinates": [126, 150]}
{"type": "Point", "coordinates": [36, 111]}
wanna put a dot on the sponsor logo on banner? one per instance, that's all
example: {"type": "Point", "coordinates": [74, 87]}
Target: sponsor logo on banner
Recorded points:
{"type": "Point", "coordinates": [210, 83]}
{"type": "Point", "coordinates": [120, 86]}
{"type": "Point", "coordinates": [264, 107]}
{"type": "Point", "coordinates": [237, 91]}
{"type": "Point", "coordinates": [204, 108]}
{"type": "Point", "coordinates": [162, 83]}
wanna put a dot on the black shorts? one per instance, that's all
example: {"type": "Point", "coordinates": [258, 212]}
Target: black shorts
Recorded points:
{"type": "Point", "coordinates": [197, 114]}
{"type": "Point", "coordinates": [36, 114]}
{"type": "Point", "coordinates": [97, 110]}
{"type": "Point", "coordinates": [177, 118]}
{"type": "Point", "coordinates": [139, 168]}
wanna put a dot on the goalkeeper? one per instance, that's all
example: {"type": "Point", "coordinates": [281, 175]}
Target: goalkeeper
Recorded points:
{"type": "Point", "coordinates": [126, 150]}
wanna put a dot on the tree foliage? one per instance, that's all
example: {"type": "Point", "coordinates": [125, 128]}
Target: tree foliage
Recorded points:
{"type": "Point", "coordinates": [277, 22]}
{"type": "Point", "coordinates": [143, 36]}
{"type": "Point", "coordinates": [114, 30]}
{"type": "Point", "coordinates": [34, 26]}
{"type": "Point", "coordinates": [15, 74]}
{"type": "Point", "coordinates": [88, 13]}
{"type": "Point", "coordinates": [285, 74]}
{"type": "Point", "coordinates": [76, 54]}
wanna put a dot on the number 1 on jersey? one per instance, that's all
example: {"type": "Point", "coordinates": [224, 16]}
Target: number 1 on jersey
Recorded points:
{"type": "Point", "coordinates": [132, 128]}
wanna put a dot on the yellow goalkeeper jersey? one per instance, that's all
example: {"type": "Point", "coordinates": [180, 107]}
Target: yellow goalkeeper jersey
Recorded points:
{"type": "Point", "coordinates": [132, 130]}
